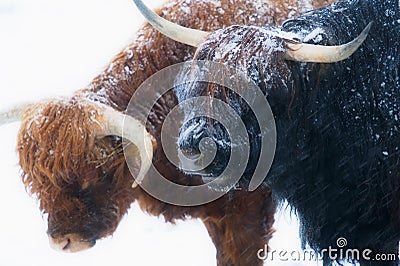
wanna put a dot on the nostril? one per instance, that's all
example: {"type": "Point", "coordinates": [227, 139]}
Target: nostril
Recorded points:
{"type": "Point", "coordinates": [92, 242]}
{"type": "Point", "coordinates": [66, 244]}
{"type": "Point", "coordinates": [60, 244]}
{"type": "Point", "coordinates": [191, 154]}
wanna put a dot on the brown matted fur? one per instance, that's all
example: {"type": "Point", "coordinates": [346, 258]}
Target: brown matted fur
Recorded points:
{"type": "Point", "coordinates": [83, 183]}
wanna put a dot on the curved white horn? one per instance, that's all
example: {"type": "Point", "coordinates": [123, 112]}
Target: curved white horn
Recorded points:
{"type": "Point", "coordinates": [324, 54]}
{"type": "Point", "coordinates": [12, 114]}
{"type": "Point", "coordinates": [176, 32]}
{"type": "Point", "coordinates": [119, 124]}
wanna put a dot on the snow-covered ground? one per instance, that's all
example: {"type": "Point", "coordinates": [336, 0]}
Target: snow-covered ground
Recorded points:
{"type": "Point", "coordinates": [51, 48]}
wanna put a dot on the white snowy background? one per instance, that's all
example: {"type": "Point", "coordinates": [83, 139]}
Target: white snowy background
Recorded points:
{"type": "Point", "coordinates": [50, 48]}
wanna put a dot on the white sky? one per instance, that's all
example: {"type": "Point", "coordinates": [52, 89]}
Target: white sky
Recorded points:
{"type": "Point", "coordinates": [50, 48]}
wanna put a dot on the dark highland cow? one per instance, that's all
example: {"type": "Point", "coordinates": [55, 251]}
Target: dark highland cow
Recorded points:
{"type": "Point", "coordinates": [79, 173]}
{"type": "Point", "coordinates": [337, 116]}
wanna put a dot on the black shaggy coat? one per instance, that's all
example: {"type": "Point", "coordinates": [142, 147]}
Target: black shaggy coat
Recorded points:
{"type": "Point", "coordinates": [337, 160]}
{"type": "Point", "coordinates": [341, 148]}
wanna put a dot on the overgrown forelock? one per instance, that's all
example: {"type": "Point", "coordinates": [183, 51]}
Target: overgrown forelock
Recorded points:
{"type": "Point", "coordinates": [256, 52]}
{"type": "Point", "coordinates": [59, 152]}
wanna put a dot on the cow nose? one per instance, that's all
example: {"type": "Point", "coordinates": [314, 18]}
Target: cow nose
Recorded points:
{"type": "Point", "coordinates": [202, 153]}
{"type": "Point", "coordinates": [70, 243]}
{"type": "Point", "coordinates": [190, 146]}
{"type": "Point", "coordinates": [190, 138]}
{"type": "Point", "coordinates": [195, 153]}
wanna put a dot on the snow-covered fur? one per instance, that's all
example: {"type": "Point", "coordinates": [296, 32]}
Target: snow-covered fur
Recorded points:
{"type": "Point", "coordinates": [337, 160]}
{"type": "Point", "coordinates": [83, 183]}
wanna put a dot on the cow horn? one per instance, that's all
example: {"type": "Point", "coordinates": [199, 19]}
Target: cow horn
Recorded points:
{"type": "Point", "coordinates": [324, 54]}
{"type": "Point", "coordinates": [12, 114]}
{"type": "Point", "coordinates": [176, 32]}
{"type": "Point", "coordinates": [118, 124]}
{"type": "Point", "coordinates": [114, 122]}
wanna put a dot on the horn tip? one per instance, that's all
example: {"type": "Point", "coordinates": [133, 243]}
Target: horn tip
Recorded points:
{"type": "Point", "coordinates": [12, 114]}
{"type": "Point", "coordinates": [365, 32]}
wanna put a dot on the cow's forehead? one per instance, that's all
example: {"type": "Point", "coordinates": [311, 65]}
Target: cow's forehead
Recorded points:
{"type": "Point", "coordinates": [236, 38]}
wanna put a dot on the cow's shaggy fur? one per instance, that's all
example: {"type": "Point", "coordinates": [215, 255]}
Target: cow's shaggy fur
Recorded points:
{"type": "Point", "coordinates": [83, 183]}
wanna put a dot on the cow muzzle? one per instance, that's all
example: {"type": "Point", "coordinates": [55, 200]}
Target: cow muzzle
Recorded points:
{"type": "Point", "coordinates": [70, 243]}
{"type": "Point", "coordinates": [202, 152]}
